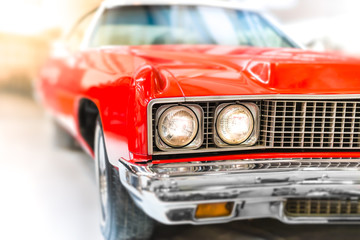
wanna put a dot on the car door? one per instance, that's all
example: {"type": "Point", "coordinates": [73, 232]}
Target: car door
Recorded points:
{"type": "Point", "coordinates": [67, 69]}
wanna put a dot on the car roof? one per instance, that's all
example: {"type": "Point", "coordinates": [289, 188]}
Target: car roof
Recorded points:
{"type": "Point", "coordinates": [236, 4]}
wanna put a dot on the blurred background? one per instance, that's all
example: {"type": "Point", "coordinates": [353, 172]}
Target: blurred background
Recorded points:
{"type": "Point", "coordinates": [28, 27]}
{"type": "Point", "coordinates": [50, 193]}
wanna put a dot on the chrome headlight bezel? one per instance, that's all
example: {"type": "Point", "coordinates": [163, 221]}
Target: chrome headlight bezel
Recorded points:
{"type": "Point", "coordinates": [199, 137]}
{"type": "Point", "coordinates": [253, 136]}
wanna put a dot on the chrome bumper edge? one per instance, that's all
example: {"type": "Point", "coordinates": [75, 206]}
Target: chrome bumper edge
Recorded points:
{"type": "Point", "coordinates": [172, 198]}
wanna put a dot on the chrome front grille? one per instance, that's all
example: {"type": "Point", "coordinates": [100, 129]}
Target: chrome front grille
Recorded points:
{"type": "Point", "coordinates": [310, 124]}
{"type": "Point", "coordinates": [314, 207]}
{"type": "Point", "coordinates": [285, 124]}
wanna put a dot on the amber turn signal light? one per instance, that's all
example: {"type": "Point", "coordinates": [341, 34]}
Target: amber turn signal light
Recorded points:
{"type": "Point", "coordinates": [213, 210]}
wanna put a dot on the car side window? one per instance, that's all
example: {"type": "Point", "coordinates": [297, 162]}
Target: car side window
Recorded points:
{"type": "Point", "coordinates": [76, 35]}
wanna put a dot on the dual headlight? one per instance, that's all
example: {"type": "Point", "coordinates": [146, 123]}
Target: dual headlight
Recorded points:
{"type": "Point", "coordinates": [234, 124]}
{"type": "Point", "coordinates": [180, 126]}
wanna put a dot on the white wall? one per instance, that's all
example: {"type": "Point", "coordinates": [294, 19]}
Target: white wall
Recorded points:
{"type": "Point", "coordinates": [327, 24]}
{"type": "Point", "coordinates": [67, 12]}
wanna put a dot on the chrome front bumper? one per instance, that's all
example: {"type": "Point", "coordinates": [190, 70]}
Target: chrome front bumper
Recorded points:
{"type": "Point", "coordinates": [171, 192]}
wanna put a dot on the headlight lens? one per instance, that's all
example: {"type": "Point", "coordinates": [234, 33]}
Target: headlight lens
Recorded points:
{"type": "Point", "coordinates": [234, 124]}
{"type": "Point", "coordinates": [178, 126]}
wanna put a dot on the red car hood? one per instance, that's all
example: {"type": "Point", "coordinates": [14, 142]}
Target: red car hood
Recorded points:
{"type": "Point", "coordinates": [219, 70]}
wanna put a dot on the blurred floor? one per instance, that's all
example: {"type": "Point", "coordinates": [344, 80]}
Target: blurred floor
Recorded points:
{"type": "Point", "coordinates": [47, 193]}
{"type": "Point", "coordinates": [50, 193]}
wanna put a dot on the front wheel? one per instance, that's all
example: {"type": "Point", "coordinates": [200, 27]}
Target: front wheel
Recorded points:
{"type": "Point", "coordinates": [121, 219]}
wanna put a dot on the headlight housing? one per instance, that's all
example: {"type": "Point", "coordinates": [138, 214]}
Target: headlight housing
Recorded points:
{"type": "Point", "coordinates": [178, 126]}
{"type": "Point", "coordinates": [235, 124]}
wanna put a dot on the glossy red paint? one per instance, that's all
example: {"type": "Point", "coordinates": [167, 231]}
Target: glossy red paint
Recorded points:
{"type": "Point", "coordinates": [121, 81]}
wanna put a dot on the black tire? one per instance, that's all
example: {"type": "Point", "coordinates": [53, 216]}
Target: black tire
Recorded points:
{"type": "Point", "coordinates": [62, 139]}
{"type": "Point", "coordinates": [121, 219]}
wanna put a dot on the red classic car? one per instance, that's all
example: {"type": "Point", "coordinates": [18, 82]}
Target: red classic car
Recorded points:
{"type": "Point", "coordinates": [205, 112]}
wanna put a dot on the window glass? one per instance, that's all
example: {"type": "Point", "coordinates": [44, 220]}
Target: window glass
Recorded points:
{"type": "Point", "coordinates": [152, 25]}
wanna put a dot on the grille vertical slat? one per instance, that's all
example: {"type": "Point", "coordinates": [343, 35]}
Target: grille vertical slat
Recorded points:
{"type": "Point", "coordinates": [323, 123]}
{"type": "Point", "coordinates": [293, 126]}
{"type": "Point", "coordinates": [332, 131]}
{"type": "Point", "coordinates": [273, 127]}
{"type": "Point", "coordinates": [353, 115]}
{"type": "Point", "coordinates": [303, 113]}
{"type": "Point", "coordinates": [342, 126]}
{"type": "Point", "coordinates": [208, 109]}
{"type": "Point", "coordinates": [207, 124]}
{"type": "Point", "coordinates": [312, 120]}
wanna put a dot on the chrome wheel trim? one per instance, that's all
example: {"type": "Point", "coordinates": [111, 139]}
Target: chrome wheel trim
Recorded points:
{"type": "Point", "coordinates": [101, 174]}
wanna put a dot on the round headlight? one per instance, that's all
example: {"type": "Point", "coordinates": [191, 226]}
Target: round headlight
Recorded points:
{"type": "Point", "coordinates": [178, 126]}
{"type": "Point", "coordinates": [234, 124]}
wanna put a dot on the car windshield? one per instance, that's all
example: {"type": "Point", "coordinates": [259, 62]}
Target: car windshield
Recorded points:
{"type": "Point", "coordinates": [155, 25]}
